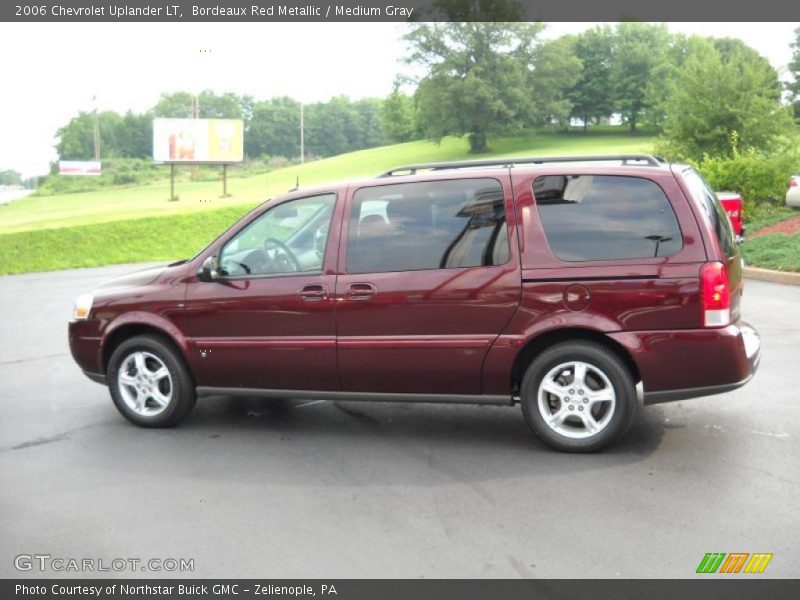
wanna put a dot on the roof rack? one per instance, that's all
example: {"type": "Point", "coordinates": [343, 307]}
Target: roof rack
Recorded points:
{"type": "Point", "coordinates": [625, 159]}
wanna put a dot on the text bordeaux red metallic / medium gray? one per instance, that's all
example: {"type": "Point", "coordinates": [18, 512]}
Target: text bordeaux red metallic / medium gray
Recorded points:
{"type": "Point", "coordinates": [578, 287]}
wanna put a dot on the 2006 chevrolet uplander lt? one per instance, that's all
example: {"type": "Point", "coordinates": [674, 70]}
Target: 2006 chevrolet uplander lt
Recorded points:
{"type": "Point", "coordinates": [578, 287]}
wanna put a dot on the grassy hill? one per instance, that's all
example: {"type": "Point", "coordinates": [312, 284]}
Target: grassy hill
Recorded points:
{"type": "Point", "coordinates": [133, 224]}
{"type": "Point", "coordinates": [116, 204]}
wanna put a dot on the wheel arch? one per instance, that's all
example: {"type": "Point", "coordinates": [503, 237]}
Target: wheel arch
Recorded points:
{"type": "Point", "coordinates": [541, 342]}
{"type": "Point", "coordinates": [131, 327]}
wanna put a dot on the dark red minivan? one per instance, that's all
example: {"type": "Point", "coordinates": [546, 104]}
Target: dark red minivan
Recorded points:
{"type": "Point", "coordinates": [578, 287]}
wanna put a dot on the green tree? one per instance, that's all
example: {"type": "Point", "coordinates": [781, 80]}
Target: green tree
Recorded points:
{"type": "Point", "coordinates": [342, 125]}
{"type": "Point", "coordinates": [640, 48]}
{"type": "Point", "coordinates": [794, 69]}
{"type": "Point", "coordinates": [209, 105]}
{"type": "Point", "coordinates": [274, 128]}
{"type": "Point", "coordinates": [370, 133]}
{"type": "Point", "coordinates": [177, 105]}
{"type": "Point", "coordinates": [555, 71]}
{"type": "Point", "coordinates": [222, 106]}
{"type": "Point", "coordinates": [723, 94]}
{"type": "Point", "coordinates": [398, 117]}
{"type": "Point", "coordinates": [664, 77]}
{"type": "Point", "coordinates": [728, 47]}
{"type": "Point", "coordinates": [592, 96]}
{"type": "Point", "coordinates": [134, 136]}
{"type": "Point", "coordinates": [10, 177]}
{"type": "Point", "coordinates": [76, 138]}
{"type": "Point", "coordinates": [330, 127]}
{"type": "Point", "coordinates": [478, 78]}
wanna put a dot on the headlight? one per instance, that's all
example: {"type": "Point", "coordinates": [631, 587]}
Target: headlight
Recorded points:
{"type": "Point", "coordinates": [83, 305]}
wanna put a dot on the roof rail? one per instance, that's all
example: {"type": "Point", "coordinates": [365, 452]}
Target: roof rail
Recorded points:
{"type": "Point", "coordinates": [650, 161]}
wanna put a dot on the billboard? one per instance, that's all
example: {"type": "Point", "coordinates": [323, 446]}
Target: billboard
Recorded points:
{"type": "Point", "coordinates": [198, 140]}
{"type": "Point", "coordinates": [79, 167]}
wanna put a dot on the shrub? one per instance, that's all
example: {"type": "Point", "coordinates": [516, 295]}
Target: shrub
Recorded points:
{"type": "Point", "coordinates": [116, 172]}
{"type": "Point", "coordinates": [760, 178]}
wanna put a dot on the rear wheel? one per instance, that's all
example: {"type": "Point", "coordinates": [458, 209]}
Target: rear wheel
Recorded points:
{"type": "Point", "coordinates": [578, 396]}
{"type": "Point", "coordinates": [149, 382]}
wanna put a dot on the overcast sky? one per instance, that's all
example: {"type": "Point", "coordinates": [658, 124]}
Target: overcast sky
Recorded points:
{"type": "Point", "coordinates": [51, 71]}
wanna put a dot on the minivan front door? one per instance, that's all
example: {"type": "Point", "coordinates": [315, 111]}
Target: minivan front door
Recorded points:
{"type": "Point", "coordinates": [267, 320]}
{"type": "Point", "coordinates": [429, 277]}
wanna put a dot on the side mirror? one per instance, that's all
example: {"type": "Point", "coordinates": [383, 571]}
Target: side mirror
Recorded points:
{"type": "Point", "coordinates": [209, 271]}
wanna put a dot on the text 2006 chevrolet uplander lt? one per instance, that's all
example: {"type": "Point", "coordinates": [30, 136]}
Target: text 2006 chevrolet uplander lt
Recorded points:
{"type": "Point", "coordinates": [577, 287]}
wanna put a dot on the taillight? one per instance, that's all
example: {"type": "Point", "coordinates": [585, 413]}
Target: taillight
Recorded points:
{"type": "Point", "coordinates": [793, 182]}
{"type": "Point", "coordinates": [716, 294]}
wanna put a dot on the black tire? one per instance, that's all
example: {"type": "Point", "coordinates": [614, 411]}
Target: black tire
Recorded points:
{"type": "Point", "coordinates": [597, 357]}
{"type": "Point", "coordinates": [179, 383]}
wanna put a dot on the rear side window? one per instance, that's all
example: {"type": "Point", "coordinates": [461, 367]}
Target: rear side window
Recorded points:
{"type": "Point", "coordinates": [427, 225]}
{"type": "Point", "coordinates": [606, 217]}
{"type": "Point", "coordinates": [712, 210]}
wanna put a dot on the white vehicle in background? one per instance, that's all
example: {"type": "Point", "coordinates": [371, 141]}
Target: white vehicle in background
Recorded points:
{"type": "Point", "coordinates": [793, 193]}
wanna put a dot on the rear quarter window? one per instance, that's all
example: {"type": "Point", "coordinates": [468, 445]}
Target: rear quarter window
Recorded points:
{"type": "Point", "coordinates": [606, 217]}
{"type": "Point", "coordinates": [712, 210]}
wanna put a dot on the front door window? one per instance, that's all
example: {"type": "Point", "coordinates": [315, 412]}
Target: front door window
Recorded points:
{"type": "Point", "coordinates": [288, 238]}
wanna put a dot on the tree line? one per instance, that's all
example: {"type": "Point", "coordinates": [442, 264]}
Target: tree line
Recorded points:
{"type": "Point", "coordinates": [272, 127]}
{"type": "Point", "coordinates": [487, 79]}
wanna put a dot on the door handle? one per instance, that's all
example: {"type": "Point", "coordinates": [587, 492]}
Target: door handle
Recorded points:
{"type": "Point", "coordinates": [314, 293]}
{"type": "Point", "coordinates": [361, 291]}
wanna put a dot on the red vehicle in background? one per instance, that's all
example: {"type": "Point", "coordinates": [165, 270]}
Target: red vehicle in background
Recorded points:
{"type": "Point", "coordinates": [734, 205]}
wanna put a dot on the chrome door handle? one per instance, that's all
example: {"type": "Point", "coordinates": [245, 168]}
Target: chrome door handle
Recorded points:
{"type": "Point", "coordinates": [314, 293]}
{"type": "Point", "coordinates": [361, 291]}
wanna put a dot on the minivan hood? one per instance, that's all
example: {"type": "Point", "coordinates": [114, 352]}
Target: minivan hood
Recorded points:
{"type": "Point", "coordinates": [132, 280]}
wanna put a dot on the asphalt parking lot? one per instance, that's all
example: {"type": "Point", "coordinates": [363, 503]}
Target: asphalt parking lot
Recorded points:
{"type": "Point", "coordinates": [265, 488]}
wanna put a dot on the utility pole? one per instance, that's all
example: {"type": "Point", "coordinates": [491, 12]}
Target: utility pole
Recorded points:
{"type": "Point", "coordinates": [96, 130]}
{"type": "Point", "coordinates": [195, 115]}
{"type": "Point", "coordinates": [302, 137]}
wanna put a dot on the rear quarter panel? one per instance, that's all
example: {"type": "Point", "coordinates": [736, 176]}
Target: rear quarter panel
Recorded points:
{"type": "Point", "coordinates": [606, 297]}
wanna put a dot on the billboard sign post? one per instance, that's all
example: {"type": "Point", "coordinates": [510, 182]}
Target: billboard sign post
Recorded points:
{"type": "Point", "coordinates": [198, 142]}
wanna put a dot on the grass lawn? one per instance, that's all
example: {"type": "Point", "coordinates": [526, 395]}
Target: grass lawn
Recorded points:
{"type": "Point", "coordinates": [774, 251]}
{"type": "Point", "coordinates": [138, 224]}
{"type": "Point", "coordinates": [137, 240]}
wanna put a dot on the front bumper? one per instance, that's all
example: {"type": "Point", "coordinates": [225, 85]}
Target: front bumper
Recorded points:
{"type": "Point", "coordinates": [85, 346]}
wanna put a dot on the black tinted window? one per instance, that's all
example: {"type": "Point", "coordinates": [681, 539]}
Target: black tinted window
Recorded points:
{"type": "Point", "coordinates": [427, 225]}
{"type": "Point", "coordinates": [712, 210]}
{"type": "Point", "coordinates": [602, 217]}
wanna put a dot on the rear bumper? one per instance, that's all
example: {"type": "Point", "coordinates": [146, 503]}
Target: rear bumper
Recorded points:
{"type": "Point", "coordinates": [686, 393]}
{"type": "Point", "coordinates": [678, 365]}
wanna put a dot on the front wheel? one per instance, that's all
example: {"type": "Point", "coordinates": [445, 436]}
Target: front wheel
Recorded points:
{"type": "Point", "coordinates": [149, 383]}
{"type": "Point", "coordinates": [578, 396]}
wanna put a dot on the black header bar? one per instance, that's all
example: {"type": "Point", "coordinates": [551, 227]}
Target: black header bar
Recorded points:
{"type": "Point", "coordinates": [395, 10]}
